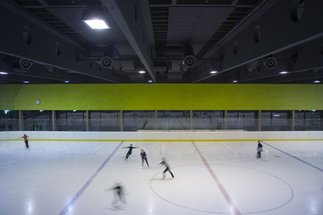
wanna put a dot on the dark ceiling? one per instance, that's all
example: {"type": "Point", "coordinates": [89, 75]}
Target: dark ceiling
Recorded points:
{"type": "Point", "coordinates": [173, 41]}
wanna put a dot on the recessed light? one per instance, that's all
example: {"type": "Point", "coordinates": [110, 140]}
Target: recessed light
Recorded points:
{"type": "Point", "coordinates": [97, 24]}
{"type": "Point", "coordinates": [3, 73]}
{"type": "Point", "coordinates": [141, 71]}
{"type": "Point", "coordinates": [213, 72]}
{"type": "Point", "coordinates": [284, 72]}
{"type": "Point", "coordinates": [94, 17]}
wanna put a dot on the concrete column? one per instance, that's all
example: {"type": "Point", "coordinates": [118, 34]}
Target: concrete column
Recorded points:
{"type": "Point", "coordinates": [191, 119]}
{"type": "Point", "coordinates": [121, 121]}
{"type": "Point", "coordinates": [259, 120]}
{"type": "Point", "coordinates": [87, 121]}
{"type": "Point", "coordinates": [156, 120]}
{"type": "Point", "coordinates": [53, 120]}
{"type": "Point", "coordinates": [20, 120]}
{"type": "Point", "coordinates": [225, 118]}
{"type": "Point", "coordinates": [292, 120]}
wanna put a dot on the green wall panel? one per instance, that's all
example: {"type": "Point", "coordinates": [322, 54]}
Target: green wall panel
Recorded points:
{"type": "Point", "coordinates": [161, 97]}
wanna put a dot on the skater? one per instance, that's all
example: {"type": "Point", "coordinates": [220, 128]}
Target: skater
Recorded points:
{"type": "Point", "coordinates": [129, 151]}
{"type": "Point", "coordinates": [119, 195]}
{"type": "Point", "coordinates": [143, 156]}
{"type": "Point", "coordinates": [164, 162]}
{"type": "Point", "coordinates": [25, 136]}
{"type": "Point", "coordinates": [259, 149]}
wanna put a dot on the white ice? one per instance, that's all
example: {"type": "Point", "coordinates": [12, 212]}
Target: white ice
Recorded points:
{"type": "Point", "coordinates": [210, 178]}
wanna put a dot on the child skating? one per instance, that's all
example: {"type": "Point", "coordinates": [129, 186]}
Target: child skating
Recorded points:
{"type": "Point", "coordinates": [259, 149]}
{"type": "Point", "coordinates": [143, 156]}
{"type": "Point", "coordinates": [119, 195]}
{"type": "Point", "coordinates": [167, 169]}
{"type": "Point", "coordinates": [25, 137]}
{"type": "Point", "coordinates": [129, 150]}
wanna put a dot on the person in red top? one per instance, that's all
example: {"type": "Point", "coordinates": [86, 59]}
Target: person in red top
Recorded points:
{"type": "Point", "coordinates": [25, 136]}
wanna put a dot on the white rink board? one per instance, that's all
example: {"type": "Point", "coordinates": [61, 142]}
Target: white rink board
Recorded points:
{"type": "Point", "coordinates": [230, 135]}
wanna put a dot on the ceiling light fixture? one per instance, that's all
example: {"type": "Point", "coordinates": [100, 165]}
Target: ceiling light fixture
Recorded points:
{"type": "Point", "coordinates": [3, 73]}
{"type": "Point", "coordinates": [235, 81]}
{"type": "Point", "coordinates": [317, 81]}
{"type": "Point", "coordinates": [213, 72]}
{"type": "Point", "coordinates": [66, 82]}
{"type": "Point", "coordinates": [141, 71]}
{"type": "Point", "coordinates": [150, 81]}
{"type": "Point", "coordinates": [94, 18]}
{"type": "Point", "coordinates": [26, 82]}
{"type": "Point", "coordinates": [283, 72]}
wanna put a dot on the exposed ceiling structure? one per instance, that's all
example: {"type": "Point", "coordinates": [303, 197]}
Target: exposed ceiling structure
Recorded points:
{"type": "Point", "coordinates": [172, 41]}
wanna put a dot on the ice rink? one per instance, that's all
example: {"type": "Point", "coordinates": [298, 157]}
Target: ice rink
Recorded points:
{"type": "Point", "coordinates": [56, 178]}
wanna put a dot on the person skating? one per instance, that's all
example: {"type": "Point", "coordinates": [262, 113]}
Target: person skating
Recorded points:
{"type": "Point", "coordinates": [259, 149]}
{"type": "Point", "coordinates": [143, 156]}
{"type": "Point", "coordinates": [25, 137]}
{"type": "Point", "coordinates": [167, 168]}
{"type": "Point", "coordinates": [129, 150]}
{"type": "Point", "coordinates": [119, 195]}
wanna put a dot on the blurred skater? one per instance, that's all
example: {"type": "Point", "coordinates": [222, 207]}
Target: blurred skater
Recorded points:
{"type": "Point", "coordinates": [25, 136]}
{"type": "Point", "coordinates": [164, 162]}
{"type": "Point", "coordinates": [259, 149]}
{"type": "Point", "coordinates": [143, 156]}
{"type": "Point", "coordinates": [119, 195]}
{"type": "Point", "coordinates": [129, 151]}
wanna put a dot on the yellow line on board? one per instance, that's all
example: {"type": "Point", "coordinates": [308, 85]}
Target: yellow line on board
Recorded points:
{"type": "Point", "coordinates": [164, 140]}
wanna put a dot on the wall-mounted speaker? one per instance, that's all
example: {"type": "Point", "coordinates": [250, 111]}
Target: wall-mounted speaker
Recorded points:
{"type": "Point", "coordinates": [189, 61]}
{"type": "Point", "coordinates": [25, 64]}
{"type": "Point", "coordinates": [106, 62]}
{"type": "Point", "coordinates": [270, 62]}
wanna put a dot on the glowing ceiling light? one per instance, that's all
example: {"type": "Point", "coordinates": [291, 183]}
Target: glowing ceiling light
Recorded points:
{"type": "Point", "coordinates": [284, 72]}
{"type": "Point", "coordinates": [97, 24]}
{"type": "Point", "coordinates": [94, 17]}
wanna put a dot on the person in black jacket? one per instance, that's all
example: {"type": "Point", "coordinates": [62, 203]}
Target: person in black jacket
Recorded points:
{"type": "Point", "coordinates": [143, 156]}
{"type": "Point", "coordinates": [129, 151]}
{"type": "Point", "coordinates": [164, 162]}
{"type": "Point", "coordinates": [119, 195]}
{"type": "Point", "coordinates": [259, 149]}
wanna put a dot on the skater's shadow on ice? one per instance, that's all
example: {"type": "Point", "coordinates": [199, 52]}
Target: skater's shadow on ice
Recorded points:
{"type": "Point", "coordinates": [116, 208]}
{"type": "Point", "coordinates": [162, 179]}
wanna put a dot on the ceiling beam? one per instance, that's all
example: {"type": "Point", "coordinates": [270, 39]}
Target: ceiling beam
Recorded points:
{"type": "Point", "coordinates": [130, 16]}
{"type": "Point", "coordinates": [25, 36]}
{"type": "Point", "coordinates": [277, 33]}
